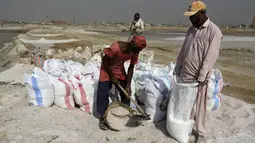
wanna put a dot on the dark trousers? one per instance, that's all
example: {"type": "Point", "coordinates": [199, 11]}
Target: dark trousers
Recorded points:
{"type": "Point", "coordinates": [103, 95]}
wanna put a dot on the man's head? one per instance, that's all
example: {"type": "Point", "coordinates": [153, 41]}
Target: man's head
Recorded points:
{"type": "Point", "coordinates": [137, 44]}
{"type": "Point", "coordinates": [136, 16]}
{"type": "Point", "coordinates": [196, 13]}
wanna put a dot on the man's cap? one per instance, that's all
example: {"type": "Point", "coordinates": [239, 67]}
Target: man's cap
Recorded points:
{"type": "Point", "coordinates": [195, 7]}
{"type": "Point", "coordinates": [139, 41]}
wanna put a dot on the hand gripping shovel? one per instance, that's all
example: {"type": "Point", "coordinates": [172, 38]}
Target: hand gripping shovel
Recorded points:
{"type": "Point", "coordinates": [138, 107]}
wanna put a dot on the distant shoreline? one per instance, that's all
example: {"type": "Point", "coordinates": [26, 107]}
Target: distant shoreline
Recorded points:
{"type": "Point", "coordinates": [173, 29]}
{"type": "Point", "coordinates": [228, 32]}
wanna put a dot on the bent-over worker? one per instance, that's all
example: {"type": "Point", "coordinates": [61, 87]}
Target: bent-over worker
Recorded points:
{"type": "Point", "coordinates": [112, 72]}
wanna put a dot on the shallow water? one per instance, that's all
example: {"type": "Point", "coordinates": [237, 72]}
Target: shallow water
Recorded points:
{"type": "Point", "coordinates": [178, 38]}
{"type": "Point", "coordinates": [6, 37]}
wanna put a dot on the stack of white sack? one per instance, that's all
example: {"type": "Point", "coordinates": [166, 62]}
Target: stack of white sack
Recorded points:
{"type": "Point", "coordinates": [40, 89]}
{"type": "Point", "coordinates": [153, 86]}
{"type": "Point", "coordinates": [63, 87]}
{"type": "Point", "coordinates": [182, 100]}
{"type": "Point", "coordinates": [81, 80]}
{"type": "Point", "coordinates": [73, 82]}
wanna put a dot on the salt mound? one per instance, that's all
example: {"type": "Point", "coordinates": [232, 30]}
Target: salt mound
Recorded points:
{"type": "Point", "coordinates": [45, 41]}
{"type": "Point", "coordinates": [15, 74]}
{"type": "Point", "coordinates": [22, 51]}
{"type": "Point", "coordinates": [234, 121]}
{"type": "Point", "coordinates": [81, 31]}
{"type": "Point", "coordinates": [44, 35]}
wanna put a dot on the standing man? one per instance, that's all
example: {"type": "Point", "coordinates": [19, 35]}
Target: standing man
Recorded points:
{"type": "Point", "coordinates": [197, 58]}
{"type": "Point", "coordinates": [112, 72]}
{"type": "Point", "coordinates": [137, 26]}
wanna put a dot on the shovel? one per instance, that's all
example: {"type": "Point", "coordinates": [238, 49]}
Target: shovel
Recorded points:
{"type": "Point", "coordinates": [138, 107]}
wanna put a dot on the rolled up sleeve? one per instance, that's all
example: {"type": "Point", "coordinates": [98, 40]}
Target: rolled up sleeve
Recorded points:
{"type": "Point", "coordinates": [112, 51]}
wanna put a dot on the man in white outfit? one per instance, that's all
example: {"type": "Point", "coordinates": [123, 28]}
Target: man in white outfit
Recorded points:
{"type": "Point", "coordinates": [137, 26]}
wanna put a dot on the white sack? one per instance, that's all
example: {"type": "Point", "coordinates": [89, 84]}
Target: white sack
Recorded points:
{"type": "Point", "coordinates": [91, 68]}
{"type": "Point", "coordinates": [214, 89]}
{"type": "Point", "coordinates": [54, 67]}
{"type": "Point", "coordinates": [40, 89]}
{"type": "Point", "coordinates": [171, 67]}
{"type": "Point", "coordinates": [84, 91]}
{"type": "Point", "coordinates": [156, 91]}
{"type": "Point", "coordinates": [182, 99]}
{"type": "Point", "coordinates": [140, 89]}
{"type": "Point", "coordinates": [146, 56]}
{"type": "Point", "coordinates": [63, 91]}
{"type": "Point", "coordinates": [74, 68]}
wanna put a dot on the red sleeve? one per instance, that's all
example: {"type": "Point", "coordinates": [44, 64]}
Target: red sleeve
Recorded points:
{"type": "Point", "coordinates": [134, 60]}
{"type": "Point", "coordinates": [113, 50]}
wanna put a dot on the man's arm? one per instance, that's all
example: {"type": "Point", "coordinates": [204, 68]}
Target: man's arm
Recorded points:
{"type": "Point", "coordinates": [211, 56]}
{"type": "Point", "coordinates": [179, 61]}
{"type": "Point", "coordinates": [105, 61]}
{"type": "Point", "coordinates": [130, 74]}
{"type": "Point", "coordinates": [130, 28]}
{"type": "Point", "coordinates": [129, 78]}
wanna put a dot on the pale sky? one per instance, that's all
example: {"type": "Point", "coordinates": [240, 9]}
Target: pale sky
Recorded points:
{"type": "Point", "coordinates": [152, 11]}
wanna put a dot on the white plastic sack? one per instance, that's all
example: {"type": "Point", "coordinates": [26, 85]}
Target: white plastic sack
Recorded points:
{"type": "Point", "coordinates": [181, 102]}
{"type": "Point", "coordinates": [146, 56]}
{"type": "Point", "coordinates": [141, 85]}
{"type": "Point", "coordinates": [156, 91]}
{"type": "Point", "coordinates": [74, 68]}
{"type": "Point", "coordinates": [91, 68]}
{"type": "Point", "coordinates": [40, 89]}
{"type": "Point", "coordinates": [84, 91]}
{"type": "Point", "coordinates": [171, 67]}
{"type": "Point", "coordinates": [54, 67]}
{"type": "Point", "coordinates": [140, 89]}
{"type": "Point", "coordinates": [144, 66]}
{"type": "Point", "coordinates": [214, 89]}
{"type": "Point", "coordinates": [63, 91]}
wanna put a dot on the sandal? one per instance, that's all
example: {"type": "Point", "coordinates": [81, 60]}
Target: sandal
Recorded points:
{"type": "Point", "coordinates": [102, 124]}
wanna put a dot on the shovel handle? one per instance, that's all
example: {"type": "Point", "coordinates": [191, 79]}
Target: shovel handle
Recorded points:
{"type": "Point", "coordinates": [129, 97]}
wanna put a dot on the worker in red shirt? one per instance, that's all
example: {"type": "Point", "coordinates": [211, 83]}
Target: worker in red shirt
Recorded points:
{"type": "Point", "coordinates": [112, 72]}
